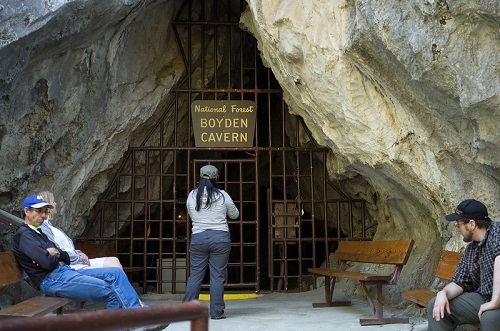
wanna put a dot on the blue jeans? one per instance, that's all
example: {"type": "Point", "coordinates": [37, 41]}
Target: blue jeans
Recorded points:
{"type": "Point", "coordinates": [209, 248]}
{"type": "Point", "coordinates": [109, 285]}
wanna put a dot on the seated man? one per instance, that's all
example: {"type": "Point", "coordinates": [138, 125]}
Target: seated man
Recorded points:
{"type": "Point", "coordinates": [63, 242]}
{"type": "Point", "coordinates": [49, 270]}
{"type": "Point", "coordinates": [473, 294]}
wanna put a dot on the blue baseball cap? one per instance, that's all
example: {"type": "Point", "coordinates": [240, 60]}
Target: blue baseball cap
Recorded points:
{"type": "Point", "coordinates": [36, 201]}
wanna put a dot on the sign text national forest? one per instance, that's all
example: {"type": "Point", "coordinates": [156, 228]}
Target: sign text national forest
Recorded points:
{"type": "Point", "coordinates": [223, 123]}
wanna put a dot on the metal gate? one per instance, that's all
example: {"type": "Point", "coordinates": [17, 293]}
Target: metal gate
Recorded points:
{"type": "Point", "coordinates": [307, 216]}
{"type": "Point", "coordinates": [291, 215]}
{"type": "Point", "coordinates": [239, 178]}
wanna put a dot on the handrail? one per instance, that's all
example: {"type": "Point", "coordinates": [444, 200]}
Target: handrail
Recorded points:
{"type": "Point", "coordinates": [116, 319]}
{"type": "Point", "coordinates": [10, 219]}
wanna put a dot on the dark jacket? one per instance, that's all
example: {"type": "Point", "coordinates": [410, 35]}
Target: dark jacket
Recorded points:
{"type": "Point", "coordinates": [30, 250]}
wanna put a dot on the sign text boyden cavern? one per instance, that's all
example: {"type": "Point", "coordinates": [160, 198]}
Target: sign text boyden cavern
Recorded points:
{"type": "Point", "coordinates": [223, 123]}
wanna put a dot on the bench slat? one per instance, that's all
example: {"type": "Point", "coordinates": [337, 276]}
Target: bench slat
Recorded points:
{"type": "Point", "coordinates": [94, 251]}
{"type": "Point", "coordinates": [382, 252]}
{"type": "Point", "coordinates": [37, 306]}
{"type": "Point", "coordinates": [420, 296]}
{"type": "Point", "coordinates": [445, 270]}
{"type": "Point", "coordinates": [448, 264]}
{"type": "Point", "coordinates": [350, 275]}
{"type": "Point", "coordinates": [132, 269]}
{"type": "Point", "coordinates": [10, 272]}
{"type": "Point", "coordinates": [105, 250]}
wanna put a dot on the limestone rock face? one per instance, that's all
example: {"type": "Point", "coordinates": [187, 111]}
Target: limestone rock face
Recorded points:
{"type": "Point", "coordinates": [18, 18]}
{"type": "Point", "coordinates": [404, 93]}
{"type": "Point", "coordinates": [73, 93]}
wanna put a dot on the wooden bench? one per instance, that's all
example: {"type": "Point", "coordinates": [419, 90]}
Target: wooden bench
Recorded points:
{"type": "Point", "coordinates": [445, 270]}
{"type": "Point", "coordinates": [11, 274]}
{"type": "Point", "coordinates": [93, 250]}
{"type": "Point", "coordinates": [390, 252]}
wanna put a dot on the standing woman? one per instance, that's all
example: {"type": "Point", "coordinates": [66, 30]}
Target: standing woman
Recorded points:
{"type": "Point", "coordinates": [210, 244]}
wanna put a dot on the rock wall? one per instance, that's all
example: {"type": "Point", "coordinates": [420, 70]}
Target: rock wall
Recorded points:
{"type": "Point", "coordinates": [74, 92]}
{"type": "Point", "coordinates": [404, 93]}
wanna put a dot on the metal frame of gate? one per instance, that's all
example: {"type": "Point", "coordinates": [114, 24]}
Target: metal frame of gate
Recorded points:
{"type": "Point", "coordinates": [143, 211]}
{"type": "Point", "coordinates": [239, 178]}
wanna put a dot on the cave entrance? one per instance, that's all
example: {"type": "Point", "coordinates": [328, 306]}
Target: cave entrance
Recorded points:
{"type": "Point", "coordinates": [291, 214]}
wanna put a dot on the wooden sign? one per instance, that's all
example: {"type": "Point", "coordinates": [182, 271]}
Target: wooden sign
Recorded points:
{"type": "Point", "coordinates": [224, 123]}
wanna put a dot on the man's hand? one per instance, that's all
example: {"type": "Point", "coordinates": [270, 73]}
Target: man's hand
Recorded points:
{"type": "Point", "coordinates": [494, 303]}
{"type": "Point", "coordinates": [440, 305]}
{"type": "Point", "coordinates": [85, 258]}
{"type": "Point", "coordinates": [54, 252]}
{"type": "Point", "coordinates": [485, 307]}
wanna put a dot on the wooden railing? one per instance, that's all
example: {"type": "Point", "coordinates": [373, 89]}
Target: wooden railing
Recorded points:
{"type": "Point", "coordinates": [111, 320]}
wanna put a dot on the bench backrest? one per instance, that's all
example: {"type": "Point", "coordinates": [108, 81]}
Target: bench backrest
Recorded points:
{"type": "Point", "coordinates": [383, 252]}
{"type": "Point", "coordinates": [10, 271]}
{"type": "Point", "coordinates": [93, 250]}
{"type": "Point", "coordinates": [448, 264]}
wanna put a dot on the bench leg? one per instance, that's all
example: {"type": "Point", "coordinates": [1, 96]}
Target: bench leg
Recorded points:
{"type": "Point", "coordinates": [378, 311]}
{"type": "Point", "coordinates": [78, 305]}
{"type": "Point", "coordinates": [329, 287]}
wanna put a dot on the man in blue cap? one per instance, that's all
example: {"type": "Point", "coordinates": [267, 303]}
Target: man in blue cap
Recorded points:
{"type": "Point", "coordinates": [50, 271]}
{"type": "Point", "coordinates": [473, 294]}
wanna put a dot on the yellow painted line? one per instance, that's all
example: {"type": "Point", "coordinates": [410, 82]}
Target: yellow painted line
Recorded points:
{"type": "Point", "coordinates": [231, 296]}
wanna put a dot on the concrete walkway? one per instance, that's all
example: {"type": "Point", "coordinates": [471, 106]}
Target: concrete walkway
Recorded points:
{"type": "Point", "coordinates": [289, 312]}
